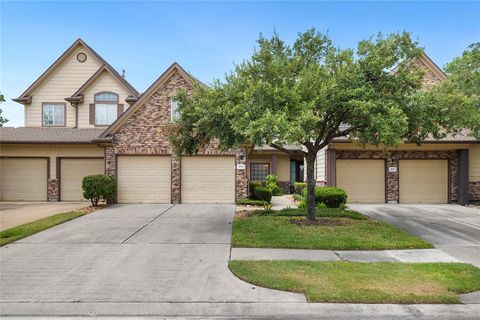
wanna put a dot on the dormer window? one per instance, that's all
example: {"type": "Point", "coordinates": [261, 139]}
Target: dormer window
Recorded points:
{"type": "Point", "coordinates": [53, 114]}
{"type": "Point", "coordinates": [107, 108]}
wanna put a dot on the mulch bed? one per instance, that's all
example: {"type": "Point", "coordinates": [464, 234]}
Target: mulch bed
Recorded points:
{"type": "Point", "coordinates": [243, 213]}
{"type": "Point", "coordinates": [90, 209]}
{"type": "Point", "coordinates": [322, 222]}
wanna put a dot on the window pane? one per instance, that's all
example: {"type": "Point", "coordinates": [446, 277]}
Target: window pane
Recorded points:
{"type": "Point", "coordinates": [106, 97]}
{"type": "Point", "coordinates": [174, 109]}
{"type": "Point", "coordinates": [53, 114]}
{"type": "Point", "coordinates": [258, 171]}
{"type": "Point", "coordinates": [105, 113]}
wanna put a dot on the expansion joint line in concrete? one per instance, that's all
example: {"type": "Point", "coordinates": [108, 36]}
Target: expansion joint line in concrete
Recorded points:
{"type": "Point", "coordinates": [143, 227]}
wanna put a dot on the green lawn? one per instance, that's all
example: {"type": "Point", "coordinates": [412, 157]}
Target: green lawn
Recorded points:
{"type": "Point", "coordinates": [358, 282]}
{"type": "Point", "coordinates": [349, 231]}
{"type": "Point", "coordinates": [19, 232]}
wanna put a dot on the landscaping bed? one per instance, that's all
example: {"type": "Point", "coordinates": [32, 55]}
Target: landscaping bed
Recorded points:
{"type": "Point", "coordinates": [335, 229]}
{"type": "Point", "coordinates": [357, 282]}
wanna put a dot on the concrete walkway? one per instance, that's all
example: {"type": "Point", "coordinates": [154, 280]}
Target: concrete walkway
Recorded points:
{"type": "Point", "coordinates": [421, 255]}
{"type": "Point", "coordinates": [282, 202]}
{"type": "Point", "coordinates": [16, 213]}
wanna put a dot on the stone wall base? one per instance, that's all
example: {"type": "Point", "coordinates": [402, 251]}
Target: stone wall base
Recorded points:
{"type": "Point", "coordinates": [52, 191]}
{"type": "Point", "coordinates": [474, 191]}
{"type": "Point", "coordinates": [285, 185]}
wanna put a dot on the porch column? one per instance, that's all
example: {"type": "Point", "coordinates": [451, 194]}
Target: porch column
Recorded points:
{"type": "Point", "coordinates": [274, 164]}
{"type": "Point", "coordinates": [331, 168]}
{"type": "Point", "coordinates": [462, 189]}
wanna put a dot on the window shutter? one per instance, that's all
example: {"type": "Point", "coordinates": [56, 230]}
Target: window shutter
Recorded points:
{"type": "Point", "coordinates": [119, 109]}
{"type": "Point", "coordinates": [92, 113]}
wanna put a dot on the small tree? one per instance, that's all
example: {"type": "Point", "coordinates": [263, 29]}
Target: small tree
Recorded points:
{"type": "Point", "coordinates": [98, 187]}
{"type": "Point", "coordinates": [3, 120]}
{"type": "Point", "coordinates": [313, 92]}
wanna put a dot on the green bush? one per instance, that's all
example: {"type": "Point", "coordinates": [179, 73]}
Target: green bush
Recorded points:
{"type": "Point", "coordinates": [250, 202]}
{"type": "Point", "coordinates": [302, 204]}
{"type": "Point", "coordinates": [98, 187]}
{"type": "Point", "coordinates": [299, 187]}
{"type": "Point", "coordinates": [298, 197]}
{"type": "Point", "coordinates": [264, 194]}
{"type": "Point", "coordinates": [252, 186]}
{"type": "Point", "coordinates": [271, 183]}
{"type": "Point", "coordinates": [332, 197]}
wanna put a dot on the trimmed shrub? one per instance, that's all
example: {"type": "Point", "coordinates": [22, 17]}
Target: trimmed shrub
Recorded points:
{"type": "Point", "coordinates": [271, 183]}
{"type": "Point", "coordinates": [299, 187]}
{"type": "Point", "coordinates": [264, 194]}
{"type": "Point", "coordinates": [250, 202]}
{"type": "Point", "coordinates": [332, 197]}
{"type": "Point", "coordinates": [98, 187]}
{"type": "Point", "coordinates": [252, 186]}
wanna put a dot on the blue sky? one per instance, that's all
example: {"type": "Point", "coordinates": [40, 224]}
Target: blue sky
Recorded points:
{"type": "Point", "coordinates": [206, 37]}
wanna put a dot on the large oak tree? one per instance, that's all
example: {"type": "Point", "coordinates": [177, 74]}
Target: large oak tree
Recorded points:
{"type": "Point", "coordinates": [312, 91]}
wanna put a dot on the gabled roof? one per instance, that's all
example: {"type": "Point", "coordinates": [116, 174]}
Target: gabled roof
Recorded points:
{"type": "Point", "coordinates": [77, 96]}
{"type": "Point", "coordinates": [148, 93]}
{"type": "Point", "coordinates": [428, 63]}
{"type": "Point", "coordinates": [25, 97]}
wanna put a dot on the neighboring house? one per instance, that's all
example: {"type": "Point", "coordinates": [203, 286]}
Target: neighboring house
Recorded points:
{"type": "Point", "coordinates": [82, 117]}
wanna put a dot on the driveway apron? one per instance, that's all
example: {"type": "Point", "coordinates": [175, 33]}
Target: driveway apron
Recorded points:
{"type": "Point", "coordinates": [131, 253]}
{"type": "Point", "coordinates": [451, 228]}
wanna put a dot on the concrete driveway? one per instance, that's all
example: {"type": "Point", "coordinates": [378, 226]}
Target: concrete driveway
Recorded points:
{"type": "Point", "coordinates": [128, 254]}
{"type": "Point", "coordinates": [451, 228]}
{"type": "Point", "coordinates": [15, 213]}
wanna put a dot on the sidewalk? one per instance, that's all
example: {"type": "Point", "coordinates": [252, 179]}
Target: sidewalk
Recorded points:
{"type": "Point", "coordinates": [415, 255]}
{"type": "Point", "coordinates": [282, 202]}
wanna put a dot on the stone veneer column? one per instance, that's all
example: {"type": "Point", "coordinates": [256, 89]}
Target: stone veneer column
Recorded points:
{"type": "Point", "coordinates": [176, 181]}
{"type": "Point", "coordinates": [241, 180]}
{"type": "Point", "coordinates": [392, 179]}
{"type": "Point", "coordinates": [110, 161]}
{"type": "Point", "coordinates": [52, 190]}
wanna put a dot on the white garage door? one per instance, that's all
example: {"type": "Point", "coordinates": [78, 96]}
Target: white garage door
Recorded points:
{"type": "Point", "coordinates": [72, 172]}
{"type": "Point", "coordinates": [144, 179]}
{"type": "Point", "coordinates": [363, 180]}
{"type": "Point", "coordinates": [423, 181]}
{"type": "Point", "coordinates": [23, 179]}
{"type": "Point", "coordinates": [208, 179]}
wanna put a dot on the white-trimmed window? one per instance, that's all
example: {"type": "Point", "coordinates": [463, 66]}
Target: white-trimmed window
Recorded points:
{"type": "Point", "coordinates": [53, 114]}
{"type": "Point", "coordinates": [175, 113]}
{"type": "Point", "coordinates": [259, 171]}
{"type": "Point", "coordinates": [106, 108]}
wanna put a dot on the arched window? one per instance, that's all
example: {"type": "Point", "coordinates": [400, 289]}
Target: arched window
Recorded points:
{"type": "Point", "coordinates": [106, 108]}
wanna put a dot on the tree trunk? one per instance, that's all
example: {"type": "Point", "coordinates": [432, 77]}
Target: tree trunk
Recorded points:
{"type": "Point", "coordinates": [310, 186]}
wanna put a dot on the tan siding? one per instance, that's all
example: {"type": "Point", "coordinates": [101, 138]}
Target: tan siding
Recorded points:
{"type": "Point", "coordinates": [63, 83]}
{"type": "Point", "coordinates": [105, 83]}
{"type": "Point", "coordinates": [51, 151]}
{"type": "Point", "coordinates": [283, 164]}
{"type": "Point", "coordinates": [474, 163]}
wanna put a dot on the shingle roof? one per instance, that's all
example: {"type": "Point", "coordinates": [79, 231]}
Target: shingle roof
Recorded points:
{"type": "Point", "coordinates": [48, 135]}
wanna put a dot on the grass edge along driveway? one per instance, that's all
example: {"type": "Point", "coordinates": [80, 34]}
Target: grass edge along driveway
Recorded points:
{"type": "Point", "coordinates": [360, 282]}
{"type": "Point", "coordinates": [24, 230]}
{"type": "Point", "coordinates": [344, 230]}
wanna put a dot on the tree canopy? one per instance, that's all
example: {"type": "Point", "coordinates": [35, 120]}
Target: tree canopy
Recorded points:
{"type": "Point", "coordinates": [312, 91]}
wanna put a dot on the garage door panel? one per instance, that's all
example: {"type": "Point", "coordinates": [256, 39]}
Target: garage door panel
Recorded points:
{"type": "Point", "coordinates": [363, 180]}
{"type": "Point", "coordinates": [23, 179]}
{"type": "Point", "coordinates": [144, 179]}
{"type": "Point", "coordinates": [72, 172]}
{"type": "Point", "coordinates": [423, 181]}
{"type": "Point", "coordinates": [208, 179]}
